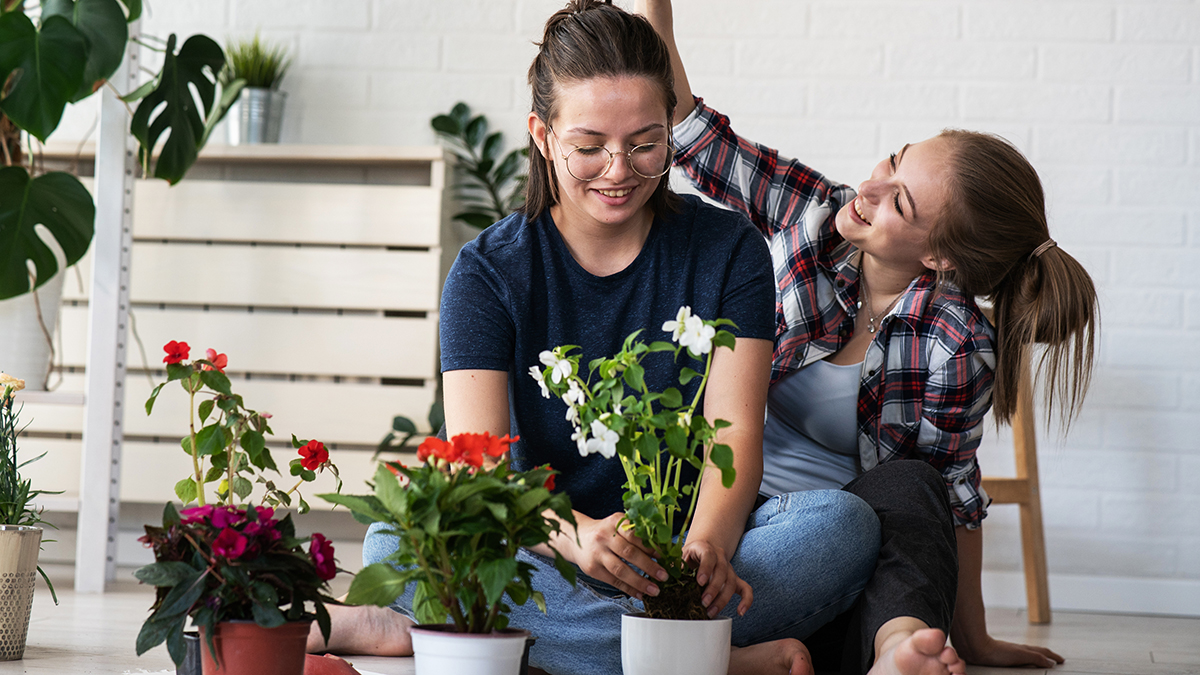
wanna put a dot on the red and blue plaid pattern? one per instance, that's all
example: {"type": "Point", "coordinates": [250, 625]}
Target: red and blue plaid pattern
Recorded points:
{"type": "Point", "coordinates": [926, 381]}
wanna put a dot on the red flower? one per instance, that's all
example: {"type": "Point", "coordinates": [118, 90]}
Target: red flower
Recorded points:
{"type": "Point", "coordinates": [468, 448]}
{"type": "Point", "coordinates": [438, 448]}
{"type": "Point", "coordinates": [471, 447]}
{"type": "Point", "coordinates": [219, 361]}
{"type": "Point", "coordinates": [224, 516]}
{"type": "Point", "coordinates": [549, 484]}
{"type": "Point", "coordinates": [196, 514]}
{"type": "Point", "coordinates": [176, 351]}
{"type": "Point", "coordinates": [229, 544]}
{"type": "Point", "coordinates": [313, 455]}
{"type": "Point", "coordinates": [497, 446]}
{"type": "Point", "coordinates": [322, 554]}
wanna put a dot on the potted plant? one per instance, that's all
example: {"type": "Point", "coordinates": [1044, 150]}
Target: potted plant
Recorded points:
{"type": "Point", "coordinates": [66, 56]}
{"type": "Point", "coordinates": [653, 434]}
{"type": "Point", "coordinates": [489, 187]}
{"type": "Point", "coordinates": [20, 536]}
{"type": "Point", "coordinates": [258, 112]}
{"type": "Point", "coordinates": [460, 518]}
{"type": "Point", "coordinates": [238, 572]}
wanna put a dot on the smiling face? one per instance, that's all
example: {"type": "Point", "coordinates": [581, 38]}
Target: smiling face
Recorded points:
{"type": "Point", "coordinates": [899, 204]}
{"type": "Point", "coordinates": [618, 113]}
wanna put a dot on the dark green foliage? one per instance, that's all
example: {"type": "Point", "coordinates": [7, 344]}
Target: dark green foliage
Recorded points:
{"type": "Point", "coordinates": [489, 187]}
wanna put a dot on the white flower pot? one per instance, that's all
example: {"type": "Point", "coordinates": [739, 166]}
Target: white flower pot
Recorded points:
{"type": "Point", "coordinates": [667, 647]}
{"type": "Point", "coordinates": [438, 650]}
{"type": "Point", "coordinates": [24, 350]}
{"type": "Point", "coordinates": [19, 547]}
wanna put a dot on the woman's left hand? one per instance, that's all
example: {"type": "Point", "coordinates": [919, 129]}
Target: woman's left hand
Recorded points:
{"type": "Point", "coordinates": [715, 573]}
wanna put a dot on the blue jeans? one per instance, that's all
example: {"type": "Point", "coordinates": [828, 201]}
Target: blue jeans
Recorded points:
{"type": "Point", "coordinates": [807, 555]}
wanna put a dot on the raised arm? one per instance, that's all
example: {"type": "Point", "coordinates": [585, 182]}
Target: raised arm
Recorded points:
{"type": "Point", "coordinates": [659, 14]}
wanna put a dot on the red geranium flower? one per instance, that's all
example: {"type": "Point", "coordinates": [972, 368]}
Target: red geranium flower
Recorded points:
{"type": "Point", "coordinates": [229, 544]}
{"type": "Point", "coordinates": [176, 351]}
{"type": "Point", "coordinates": [219, 361]}
{"type": "Point", "coordinates": [497, 446]}
{"type": "Point", "coordinates": [549, 484]}
{"type": "Point", "coordinates": [313, 455]}
{"type": "Point", "coordinates": [437, 448]}
{"type": "Point", "coordinates": [322, 554]}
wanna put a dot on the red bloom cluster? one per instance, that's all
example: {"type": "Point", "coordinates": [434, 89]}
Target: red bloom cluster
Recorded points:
{"type": "Point", "coordinates": [322, 554]}
{"type": "Point", "coordinates": [549, 484]}
{"type": "Point", "coordinates": [467, 449]}
{"type": "Point", "coordinates": [313, 455]}
{"type": "Point", "coordinates": [219, 361]}
{"type": "Point", "coordinates": [176, 351]}
{"type": "Point", "coordinates": [238, 533]}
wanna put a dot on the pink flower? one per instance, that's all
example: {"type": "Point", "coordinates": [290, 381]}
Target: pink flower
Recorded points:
{"type": "Point", "coordinates": [322, 554]}
{"type": "Point", "coordinates": [224, 516]}
{"type": "Point", "coordinates": [196, 514]}
{"type": "Point", "coordinates": [313, 455]}
{"type": "Point", "coordinates": [265, 513]}
{"type": "Point", "coordinates": [263, 529]}
{"type": "Point", "coordinates": [219, 361]}
{"type": "Point", "coordinates": [176, 351]}
{"type": "Point", "coordinates": [229, 544]}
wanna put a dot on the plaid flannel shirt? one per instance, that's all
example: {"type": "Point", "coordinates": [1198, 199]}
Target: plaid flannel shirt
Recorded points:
{"type": "Point", "coordinates": [926, 379]}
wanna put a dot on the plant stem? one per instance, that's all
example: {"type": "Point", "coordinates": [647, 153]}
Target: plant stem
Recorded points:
{"type": "Point", "coordinates": [696, 493]}
{"type": "Point", "coordinates": [195, 450]}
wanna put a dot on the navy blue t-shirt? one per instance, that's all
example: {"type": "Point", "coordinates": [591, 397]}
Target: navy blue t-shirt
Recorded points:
{"type": "Point", "coordinates": [516, 290]}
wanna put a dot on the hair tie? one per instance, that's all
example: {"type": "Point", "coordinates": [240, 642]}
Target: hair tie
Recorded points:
{"type": "Point", "coordinates": [1046, 246]}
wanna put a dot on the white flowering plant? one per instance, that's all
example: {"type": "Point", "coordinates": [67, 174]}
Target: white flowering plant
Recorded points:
{"type": "Point", "coordinates": [653, 434]}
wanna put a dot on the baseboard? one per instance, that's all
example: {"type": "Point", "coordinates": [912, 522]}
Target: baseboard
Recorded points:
{"type": "Point", "coordinates": [1126, 595]}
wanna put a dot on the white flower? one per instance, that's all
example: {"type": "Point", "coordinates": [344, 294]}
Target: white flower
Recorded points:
{"type": "Point", "coordinates": [581, 441]}
{"type": "Point", "coordinates": [675, 328]}
{"type": "Point", "coordinates": [536, 373]}
{"type": "Point", "coordinates": [572, 414]}
{"type": "Point", "coordinates": [574, 395]}
{"type": "Point", "coordinates": [562, 367]}
{"type": "Point", "coordinates": [617, 409]}
{"type": "Point", "coordinates": [605, 441]}
{"type": "Point", "coordinates": [697, 336]}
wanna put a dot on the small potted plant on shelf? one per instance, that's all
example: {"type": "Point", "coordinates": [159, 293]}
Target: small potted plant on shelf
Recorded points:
{"type": "Point", "coordinates": [460, 518]}
{"type": "Point", "coordinates": [20, 536]}
{"type": "Point", "coordinates": [653, 435]}
{"type": "Point", "coordinates": [237, 571]}
{"type": "Point", "coordinates": [257, 115]}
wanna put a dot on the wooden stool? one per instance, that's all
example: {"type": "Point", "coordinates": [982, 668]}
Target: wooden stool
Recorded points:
{"type": "Point", "coordinates": [1023, 491]}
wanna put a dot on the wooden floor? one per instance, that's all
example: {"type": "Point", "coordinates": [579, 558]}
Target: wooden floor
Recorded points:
{"type": "Point", "coordinates": [96, 634]}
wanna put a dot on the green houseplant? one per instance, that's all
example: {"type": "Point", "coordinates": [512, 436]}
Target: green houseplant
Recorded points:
{"type": "Point", "coordinates": [234, 569]}
{"type": "Point", "coordinates": [459, 519]}
{"type": "Point", "coordinates": [490, 187]}
{"type": "Point", "coordinates": [257, 114]}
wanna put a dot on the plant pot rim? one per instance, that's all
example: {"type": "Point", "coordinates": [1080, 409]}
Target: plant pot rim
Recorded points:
{"type": "Point", "coordinates": [19, 528]}
{"type": "Point", "coordinates": [450, 630]}
{"type": "Point", "coordinates": [642, 615]}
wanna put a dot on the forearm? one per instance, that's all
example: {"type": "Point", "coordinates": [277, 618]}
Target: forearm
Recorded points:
{"type": "Point", "coordinates": [721, 512]}
{"type": "Point", "coordinates": [658, 12]}
{"type": "Point", "coordinates": [969, 628]}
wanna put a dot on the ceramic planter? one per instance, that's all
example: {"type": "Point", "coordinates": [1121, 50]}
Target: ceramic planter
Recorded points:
{"type": "Point", "coordinates": [24, 349]}
{"type": "Point", "coordinates": [666, 647]}
{"type": "Point", "coordinates": [439, 650]}
{"type": "Point", "coordinates": [246, 648]}
{"type": "Point", "coordinates": [19, 547]}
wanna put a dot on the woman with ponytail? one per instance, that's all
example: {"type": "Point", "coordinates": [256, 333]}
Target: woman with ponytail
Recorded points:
{"type": "Point", "coordinates": [884, 366]}
{"type": "Point", "coordinates": [603, 248]}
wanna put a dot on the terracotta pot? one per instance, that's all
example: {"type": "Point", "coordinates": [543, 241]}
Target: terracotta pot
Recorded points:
{"type": "Point", "coordinates": [667, 647]}
{"type": "Point", "coordinates": [440, 650]}
{"type": "Point", "coordinates": [19, 547]}
{"type": "Point", "coordinates": [246, 648]}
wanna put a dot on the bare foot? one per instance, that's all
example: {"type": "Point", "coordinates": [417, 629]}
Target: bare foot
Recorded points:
{"type": "Point", "coordinates": [782, 657]}
{"type": "Point", "coordinates": [377, 631]}
{"type": "Point", "coordinates": [923, 652]}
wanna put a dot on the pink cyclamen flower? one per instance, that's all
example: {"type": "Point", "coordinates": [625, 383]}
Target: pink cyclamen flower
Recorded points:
{"type": "Point", "coordinates": [321, 551]}
{"type": "Point", "coordinates": [219, 361]}
{"type": "Point", "coordinates": [229, 544]}
{"type": "Point", "coordinates": [196, 514]}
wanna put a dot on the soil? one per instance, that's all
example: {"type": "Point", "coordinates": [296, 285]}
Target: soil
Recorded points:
{"type": "Point", "coordinates": [678, 598]}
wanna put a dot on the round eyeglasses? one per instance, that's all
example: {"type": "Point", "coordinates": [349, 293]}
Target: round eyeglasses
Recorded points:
{"type": "Point", "coordinates": [590, 162]}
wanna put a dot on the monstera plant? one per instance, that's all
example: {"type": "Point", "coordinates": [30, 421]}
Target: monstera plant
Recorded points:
{"type": "Point", "coordinates": [64, 55]}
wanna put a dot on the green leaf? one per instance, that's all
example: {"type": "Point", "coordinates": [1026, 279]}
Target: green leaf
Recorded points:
{"type": "Point", "coordinates": [492, 145]}
{"type": "Point", "coordinates": [687, 375]}
{"type": "Point", "coordinates": [540, 601]}
{"type": "Point", "coordinates": [445, 124]}
{"type": "Point", "coordinates": [389, 492]}
{"type": "Point", "coordinates": [367, 505]}
{"type": "Point", "coordinates": [660, 346]}
{"type": "Point", "coordinates": [378, 584]}
{"type": "Point", "coordinates": [267, 616]}
{"type": "Point", "coordinates": [153, 632]}
{"type": "Point", "coordinates": [724, 338]}
{"type": "Point", "coordinates": [216, 380]}
{"type": "Point", "coordinates": [186, 490]}
{"type": "Point", "coordinates": [671, 398]}
{"type": "Point", "coordinates": [508, 166]}
{"type": "Point", "coordinates": [676, 437]}
{"type": "Point", "coordinates": [647, 447]}
{"type": "Point", "coordinates": [565, 568]}
{"type": "Point", "coordinates": [494, 575]}
{"type": "Point", "coordinates": [221, 106]}
{"type": "Point", "coordinates": [210, 439]}
{"type": "Point", "coordinates": [165, 573]}
{"type": "Point", "coordinates": [476, 130]}
{"type": "Point", "coordinates": [103, 24]}
{"type": "Point", "coordinates": [50, 64]}
{"type": "Point", "coordinates": [403, 425]}
{"type": "Point", "coordinates": [477, 220]}
{"type": "Point", "coordinates": [153, 396]}
{"type": "Point", "coordinates": [175, 644]}
{"type": "Point", "coordinates": [206, 407]}
{"type": "Point", "coordinates": [178, 371]}
{"type": "Point", "coordinates": [242, 487]}
{"type": "Point", "coordinates": [170, 515]}
{"type": "Point", "coordinates": [57, 201]}
{"type": "Point", "coordinates": [253, 443]}
{"type": "Point", "coordinates": [528, 501]}
{"type": "Point", "coordinates": [635, 377]}
{"type": "Point", "coordinates": [196, 66]}
{"type": "Point", "coordinates": [722, 457]}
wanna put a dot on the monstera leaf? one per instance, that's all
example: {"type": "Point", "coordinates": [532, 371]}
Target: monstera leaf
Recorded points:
{"type": "Point", "coordinates": [50, 64]}
{"type": "Point", "coordinates": [102, 23]}
{"type": "Point", "coordinates": [57, 201]}
{"type": "Point", "coordinates": [188, 119]}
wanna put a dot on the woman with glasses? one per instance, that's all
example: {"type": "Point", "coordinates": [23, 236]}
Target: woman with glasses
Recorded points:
{"type": "Point", "coordinates": [603, 248]}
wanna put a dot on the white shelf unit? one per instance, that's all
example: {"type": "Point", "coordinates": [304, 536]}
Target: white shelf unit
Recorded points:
{"type": "Point", "coordinates": [317, 269]}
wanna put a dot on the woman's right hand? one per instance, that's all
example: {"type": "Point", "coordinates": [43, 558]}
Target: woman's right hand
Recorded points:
{"type": "Point", "coordinates": [606, 552]}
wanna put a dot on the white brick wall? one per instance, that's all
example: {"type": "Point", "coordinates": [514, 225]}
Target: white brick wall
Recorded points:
{"type": "Point", "coordinates": [1103, 95]}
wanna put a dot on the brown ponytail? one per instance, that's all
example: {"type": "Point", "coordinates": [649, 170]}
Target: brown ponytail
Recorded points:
{"type": "Point", "coordinates": [589, 39]}
{"type": "Point", "coordinates": [995, 224]}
